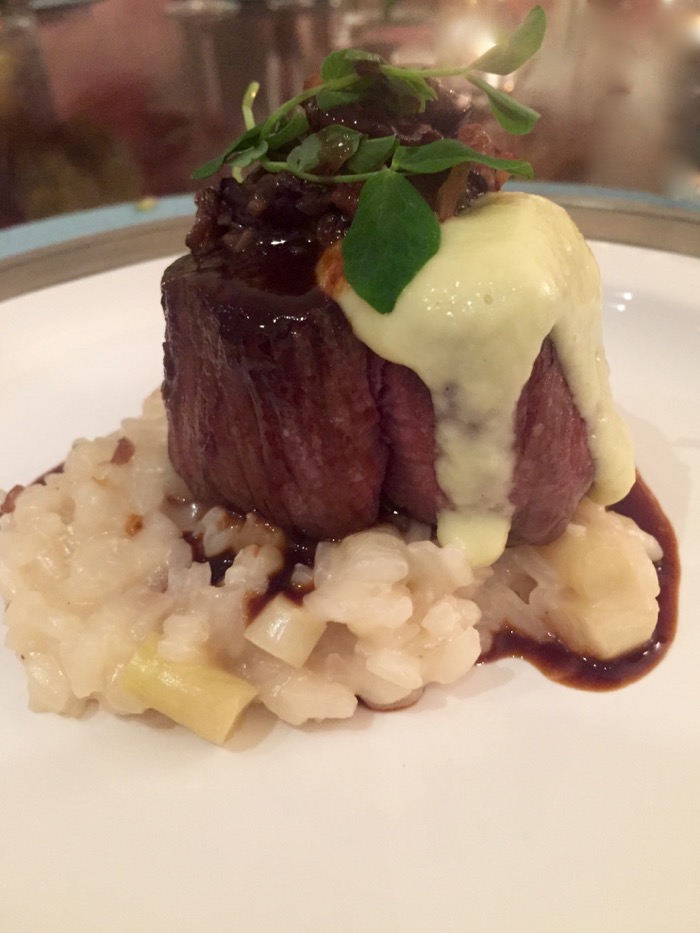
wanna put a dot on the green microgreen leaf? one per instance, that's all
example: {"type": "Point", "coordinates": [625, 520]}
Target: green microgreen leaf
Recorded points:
{"type": "Point", "coordinates": [338, 144]}
{"type": "Point", "coordinates": [326, 151]}
{"type": "Point", "coordinates": [305, 156]}
{"type": "Point", "coordinates": [409, 85]}
{"type": "Point", "coordinates": [514, 117]}
{"type": "Point", "coordinates": [291, 128]}
{"type": "Point", "coordinates": [511, 54]}
{"type": "Point", "coordinates": [329, 100]}
{"type": "Point", "coordinates": [289, 106]}
{"type": "Point", "coordinates": [241, 160]}
{"type": "Point", "coordinates": [443, 154]}
{"type": "Point", "coordinates": [247, 140]}
{"type": "Point", "coordinates": [372, 154]}
{"type": "Point", "coordinates": [341, 63]}
{"type": "Point", "coordinates": [393, 234]}
{"type": "Point", "coordinates": [209, 168]}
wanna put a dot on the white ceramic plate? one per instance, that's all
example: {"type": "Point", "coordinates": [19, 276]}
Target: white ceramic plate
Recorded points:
{"type": "Point", "coordinates": [507, 803]}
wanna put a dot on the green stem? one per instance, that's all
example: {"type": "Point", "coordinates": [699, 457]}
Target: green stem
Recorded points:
{"type": "Point", "coordinates": [397, 72]}
{"type": "Point", "coordinates": [276, 167]}
{"type": "Point", "coordinates": [310, 92]}
{"type": "Point", "coordinates": [247, 106]}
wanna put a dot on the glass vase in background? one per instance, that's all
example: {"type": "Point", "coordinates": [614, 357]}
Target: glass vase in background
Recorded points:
{"type": "Point", "coordinates": [26, 106]}
{"type": "Point", "coordinates": [50, 164]}
{"type": "Point", "coordinates": [229, 43]}
{"type": "Point", "coordinates": [401, 32]}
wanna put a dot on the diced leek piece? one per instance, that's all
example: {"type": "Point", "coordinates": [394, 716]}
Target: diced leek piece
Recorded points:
{"type": "Point", "coordinates": [606, 605]}
{"type": "Point", "coordinates": [204, 699]}
{"type": "Point", "coordinates": [286, 630]}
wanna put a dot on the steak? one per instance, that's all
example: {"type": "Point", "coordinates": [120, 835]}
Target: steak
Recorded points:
{"type": "Point", "coordinates": [275, 406]}
{"type": "Point", "coordinates": [269, 403]}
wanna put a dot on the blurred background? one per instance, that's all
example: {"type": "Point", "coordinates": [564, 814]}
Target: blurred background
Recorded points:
{"type": "Point", "coordinates": [105, 101]}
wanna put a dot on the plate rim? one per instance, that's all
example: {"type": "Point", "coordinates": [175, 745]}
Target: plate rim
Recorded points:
{"type": "Point", "coordinates": [615, 220]}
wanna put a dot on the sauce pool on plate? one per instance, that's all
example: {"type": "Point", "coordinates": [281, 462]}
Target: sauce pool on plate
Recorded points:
{"type": "Point", "coordinates": [561, 665]}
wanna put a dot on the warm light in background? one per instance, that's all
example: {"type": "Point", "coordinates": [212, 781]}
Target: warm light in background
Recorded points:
{"type": "Point", "coordinates": [108, 120]}
{"type": "Point", "coordinates": [694, 29]}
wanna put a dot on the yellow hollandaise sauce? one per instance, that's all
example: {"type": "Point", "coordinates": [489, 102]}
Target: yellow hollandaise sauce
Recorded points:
{"type": "Point", "coordinates": [510, 271]}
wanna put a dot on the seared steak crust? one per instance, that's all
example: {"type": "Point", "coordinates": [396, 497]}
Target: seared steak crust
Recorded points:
{"type": "Point", "coordinates": [553, 466]}
{"type": "Point", "coordinates": [269, 403]}
{"type": "Point", "coordinates": [275, 406]}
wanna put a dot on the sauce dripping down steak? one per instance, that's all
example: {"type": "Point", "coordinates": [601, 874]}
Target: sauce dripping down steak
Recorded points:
{"type": "Point", "coordinates": [274, 406]}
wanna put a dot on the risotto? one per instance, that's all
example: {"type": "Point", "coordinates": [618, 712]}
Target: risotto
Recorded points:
{"type": "Point", "coordinates": [121, 589]}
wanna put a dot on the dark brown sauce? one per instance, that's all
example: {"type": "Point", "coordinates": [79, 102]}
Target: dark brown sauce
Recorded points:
{"type": "Point", "coordinates": [302, 551]}
{"type": "Point", "coordinates": [280, 582]}
{"type": "Point", "coordinates": [554, 660]}
{"type": "Point", "coordinates": [551, 658]}
{"type": "Point", "coordinates": [561, 665]}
